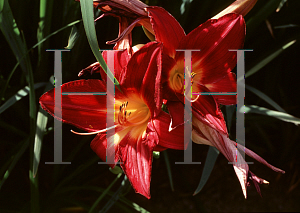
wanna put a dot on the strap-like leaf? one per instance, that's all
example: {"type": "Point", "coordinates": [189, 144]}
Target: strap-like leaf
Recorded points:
{"type": "Point", "coordinates": [211, 158]}
{"type": "Point", "coordinates": [87, 11]}
{"type": "Point", "coordinates": [279, 115]}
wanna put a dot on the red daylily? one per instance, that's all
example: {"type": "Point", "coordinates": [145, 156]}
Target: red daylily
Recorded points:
{"type": "Point", "coordinates": [211, 72]}
{"type": "Point", "coordinates": [140, 125]}
{"type": "Point", "coordinates": [211, 66]}
{"type": "Point", "coordinates": [130, 13]}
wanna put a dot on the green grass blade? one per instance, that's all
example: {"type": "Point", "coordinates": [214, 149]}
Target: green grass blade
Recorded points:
{"type": "Point", "coordinates": [42, 119]}
{"type": "Point", "coordinates": [72, 38]}
{"type": "Point", "coordinates": [279, 115]}
{"type": "Point", "coordinates": [72, 189]}
{"type": "Point", "coordinates": [124, 185]}
{"type": "Point", "coordinates": [87, 11]}
{"type": "Point", "coordinates": [280, 5]}
{"type": "Point", "coordinates": [267, 60]}
{"type": "Point", "coordinates": [264, 12]}
{"type": "Point", "coordinates": [46, 7]}
{"type": "Point", "coordinates": [78, 171]}
{"type": "Point", "coordinates": [211, 158]}
{"type": "Point", "coordinates": [92, 209]}
{"type": "Point", "coordinates": [17, 43]}
{"type": "Point", "coordinates": [265, 98]}
{"type": "Point", "coordinates": [16, 158]}
{"type": "Point", "coordinates": [11, 128]}
{"type": "Point", "coordinates": [34, 46]}
{"type": "Point", "coordinates": [168, 165]}
{"type": "Point", "coordinates": [19, 95]}
{"type": "Point", "coordinates": [133, 205]}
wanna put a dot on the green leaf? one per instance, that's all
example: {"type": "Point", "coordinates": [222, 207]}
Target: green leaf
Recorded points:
{"type": "Point", "coordinates": [279, 115]}
{"type": "Point", "coordinates": [16, 158]}
{"type": "Point", "coordinates": [34, 46]}
{"type": "Point", "coordinates": [92, 209]}
{"type": "Point", "coordinates": [265, 98]}
{"type": "Point", "coordinates": [267, 60]}
{"type": "Point", "coordinates": [264, 12]}
{"type": "Point", "coordinates": [280, 5]}
{"type": "Point", "coordinates": [168, 165]}
{"type": "Point", "coordinates": [211, 158]}
{"type": "Point", "coordinates": [46, 7]}
{"type": "Point", "coordinates": [19, 95]}
{"type": "Point", "coordinates": [42, 119]}
{"type": "Point", "coordinates": [74, 35]}
{"type": "Point", "coordinates": [12, 34]}
{"type": "Point", "coordinates": [124, 185]}
{"type": "Point", "coordinates": [87, 11]}
{"type": "Point", "coordinates": [116, 170]}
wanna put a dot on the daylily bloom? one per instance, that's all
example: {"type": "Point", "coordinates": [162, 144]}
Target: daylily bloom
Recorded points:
{"type": "Point", "coordinates": [211, 72]}
{"type": "Point", "coordinates": [130, 14]}
{"type": "Point", "coordinates": [211, 67]}
{"type": "Point", "coordinates": [140, 125]}
{"type": "Point", "coordinates": [133, 13]}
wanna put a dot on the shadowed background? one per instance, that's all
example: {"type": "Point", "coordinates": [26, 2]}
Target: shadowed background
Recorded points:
{"type": "Point", "coordinates": [76, 187]}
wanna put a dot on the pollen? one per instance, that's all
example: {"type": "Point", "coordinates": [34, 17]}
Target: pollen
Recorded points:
{"type": "Point", "coordinates": [123, 114]}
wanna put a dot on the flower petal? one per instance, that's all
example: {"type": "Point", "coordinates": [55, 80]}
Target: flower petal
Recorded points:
{"type": "Point", "coordinates": [257, 157]}
{"type": "Point", "coordinates": [167, 29]}
{"type": "Point", "coordinates": [120, 60]}
{"type": "Point", "coordinates": [87, 112]}
{"type": "Point", "coordinates": [169, 139]}
{"type": "Point", "coordinates": [214, 38]}
{"type": "Point", "coordinates": [176, 110]}
{"type": "Point", "coordinates": [228, 149]}
{"type": "Point", "coordinates": [136, 162]}
{"type": "Point", "coordinates": [99, 146]}
{"type": "Point", "coordinates": [206, 109]}
{"type": "Point", "coordinates": [143, 74]}
{"type": "Point", "coordinates": [226, 84]}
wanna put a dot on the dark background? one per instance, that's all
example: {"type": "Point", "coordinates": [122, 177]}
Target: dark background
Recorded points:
{"type": "Point", "coordinates": [58, 186]}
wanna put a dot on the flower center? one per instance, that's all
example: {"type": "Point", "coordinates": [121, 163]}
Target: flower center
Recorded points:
{"type": "Point", "coordinates": [133, 115]}
{"type": "Point", "coordinates": [177, 81]}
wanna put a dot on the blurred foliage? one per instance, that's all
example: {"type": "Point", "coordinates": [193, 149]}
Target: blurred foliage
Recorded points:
{"type": "Point", "coordinates": [77, 187]}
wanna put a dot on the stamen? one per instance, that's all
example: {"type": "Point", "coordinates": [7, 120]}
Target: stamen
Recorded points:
{"type": "Point", "coordinates": [93, 133]}
{"type": "Point", "coordinates": [122, 116]}
{"type": "Point", "coordinates": [193, 75]}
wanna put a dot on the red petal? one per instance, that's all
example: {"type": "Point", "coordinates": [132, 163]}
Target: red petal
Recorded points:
{"type": "Point", "coordinates": [143, 75]}
{"type": "Point", "coordinates": [87, 112]}
{"type": "Point", "coordinates": [169, 139]}
{"type": "Point", "coordinates": [99, 146]}
{"type": "Point", "coordinates": [257, 157]}
{"type": "Point", "coordinates": [214, 38]}
{"type": "Point", "coordinates": [167, 29]}
{"type": "Point", "coordinates": [228, 149]}
{"type": "Point", "coordinates": [121, 59]}
{"type": "Point", "coordinates": [136, 159]}
{"type": "Point", "coordinates": [206, 109]}
{"type": "Point", "coordinates": [176, 110]}
{"type": "Point", "coordinates": [226, 84]}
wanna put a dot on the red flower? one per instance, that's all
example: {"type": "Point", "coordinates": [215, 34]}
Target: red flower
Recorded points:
{"type": "Point", "coordinates": [211, 67]}
{"type": "Point", "coordinates": [140, 125]}
{"type": "Point", "coordinates": [211, 72]}
{"type": "Point", "coordinates": [130, 13]}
